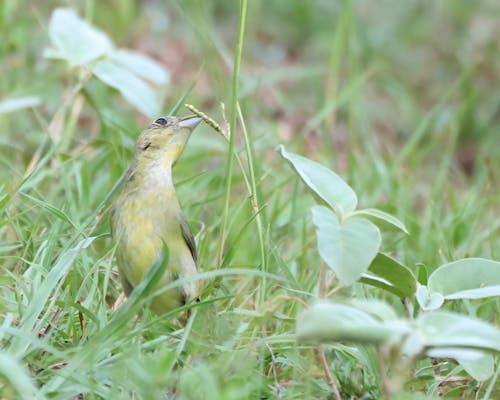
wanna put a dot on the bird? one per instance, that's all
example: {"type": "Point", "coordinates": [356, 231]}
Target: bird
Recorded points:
{"type": "Point", "coordinates": [146, 215]}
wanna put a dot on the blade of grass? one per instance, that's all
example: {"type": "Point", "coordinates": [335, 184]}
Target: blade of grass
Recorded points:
{"type": "Point", "coordinates": [19, 377]}
{"type": "Point", "coordinates": [254, 199]}
{"type": "Point", "coordinates": [232, 129]}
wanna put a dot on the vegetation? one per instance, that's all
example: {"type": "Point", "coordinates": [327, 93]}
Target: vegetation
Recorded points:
{"type": "Point", "coordinates": [381, 284]}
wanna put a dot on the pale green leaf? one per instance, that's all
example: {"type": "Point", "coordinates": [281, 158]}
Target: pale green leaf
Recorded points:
{"type": "Point", "coordinates": [381, 215]}
{"type": "Point", "coordinates": [142, 66]}
{"type": "Point", "coordinates": [469, 278]}
{"type": "Point", "coordinates": [477, 363]}
{"type": "Point", "coordinates": [74, 39]}
{"type": "Point", "coordinates": [445, 329]}
{"type": "Point", "coordinates": [480, 368]}
{"type": "Point", "coordinates": [324, 182]}
{"type": "Point", "coordinates": [133, 89]}
{"type": "Point", "coordinates": [349, 247]}
{"type": "Point", "coordinates": [376, 308]}
{"type": "Point", "coordinates": [331, 322]}
{"type": "Point", "coordinates": [428, 301]}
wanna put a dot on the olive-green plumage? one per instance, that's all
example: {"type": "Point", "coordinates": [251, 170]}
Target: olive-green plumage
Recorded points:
{"type": "Point", "coordinates": [147, 214]}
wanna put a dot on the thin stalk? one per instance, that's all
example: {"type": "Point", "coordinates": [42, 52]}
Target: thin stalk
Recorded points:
{"type": "Point", "coordinates": [354, 102]}
{"type": "Point", "coordinates": [323, 289]}
{"type": "Point", "coordinates": [275, 373]}
{"type": "Point", "coordinates": [334, 390]}
{"type": "Point", "coordinates": [232, 130]}
{"type": "Point", "coordinates": [254, 199]}
{"type": "Point", "coordinates": [332, 85]}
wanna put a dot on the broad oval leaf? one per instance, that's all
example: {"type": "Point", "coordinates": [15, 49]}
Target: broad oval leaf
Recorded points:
{"type": "Point", "coordinates": [377, 308]}
{"type": "Point", "coordinates": [450, 335]}
{"type": "Point", "coordinates": [348, 247]}
{"type": "Point", "coordinates": [469, 278]}
{"type": "Point", "coordinates": [389, 274]}
{"type": "Point", "coordinates": [481, 367]}
{"type": "Point", "coordinates": [142, 66]}
{"type": "Point", "coordinates": [442, 329]}
{"type": "Point", "coordinates": [74, 39]}
{"type": "Point", "coordinates": [135, 90]}
{"type": "Point", "coordinates": [477, 363]}
{"type": "Point", "coordinates": [331, 322]}
{"type": "Point", "coordinates": [382, 215]}
{"type": "Point", "coordinates": [324, 182]}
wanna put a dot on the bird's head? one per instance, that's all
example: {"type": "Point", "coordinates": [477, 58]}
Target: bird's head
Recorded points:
{"type": "Point", "coordinates": [164, 140]}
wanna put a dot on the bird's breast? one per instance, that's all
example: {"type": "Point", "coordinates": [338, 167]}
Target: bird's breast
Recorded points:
{"type": "Point", "coordinates": [143, 220]}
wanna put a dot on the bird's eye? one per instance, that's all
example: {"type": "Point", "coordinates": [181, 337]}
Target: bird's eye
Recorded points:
{"type": "Point", "coordinates": [146, 146]}
{"type": "Point", "coordinates": [161, 121]}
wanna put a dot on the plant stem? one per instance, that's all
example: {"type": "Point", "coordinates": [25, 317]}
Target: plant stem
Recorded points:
{"type": "Point", "coordinates": [232, 130]}
{"type": "Point", "coordinates": [256, 207]}
{"type": "Point", "coordinates": [323, 290]}
{"type": "Point", "coordinates": [329, 377]}
{"type": "Point", "coordinates": [275, 374]}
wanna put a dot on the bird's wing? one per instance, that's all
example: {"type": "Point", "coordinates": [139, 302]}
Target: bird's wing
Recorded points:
{"type": "Point", "coordinates": [188, 238]}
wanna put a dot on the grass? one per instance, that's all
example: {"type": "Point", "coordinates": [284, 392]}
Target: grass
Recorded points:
{"type": "Point", "coordinates": [399, 100]}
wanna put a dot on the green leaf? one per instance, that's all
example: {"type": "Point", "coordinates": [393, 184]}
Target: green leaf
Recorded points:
{"type": "Point", "coordinates": [324, 182]}
{"type": "Point", "coordinates": [437, 334]}
{"type": "Point", "coordinates": [134, 89]}
{"type": "Point", "coordinates": [376, 308]}
{"type": "Point", "coordinates": [481, 366]}
{"type": "Point", "coordinates": [348, 247]}
{"type": "Point", "coordinates": [18, 103]}
{"type": "Point", "coordinates": [442, 329]}
{"type": "Point", "coordinates": [389, 274]}
{"type": "Point", "coordinates": [428, 301]}
{"type": "Point", "coordinates": [477, 363]}
{"type": "Point", "coordinates": [80, 44]}
{"type": "Point", "coordinates": [469, 278]}
{"type": "Point", "coordinates": [142, 66]}
{"type": "Point", "coordinates": [378, 214]}
{"type": "Point", "coordinates": [331, 322]}
{"type": "Point", "coordinates": [74, 39]}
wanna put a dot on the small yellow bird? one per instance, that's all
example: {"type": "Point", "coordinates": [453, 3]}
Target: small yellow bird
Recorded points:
{"type": "Point", "coordinates": [147, 214]}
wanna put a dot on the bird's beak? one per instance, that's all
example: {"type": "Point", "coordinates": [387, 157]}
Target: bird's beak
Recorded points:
{"type": "Point", "coordinates": [190, 122]}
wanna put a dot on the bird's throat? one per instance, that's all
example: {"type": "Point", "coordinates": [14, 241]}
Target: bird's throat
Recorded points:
{"type": "Point", "coordinates": [159, 175]}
